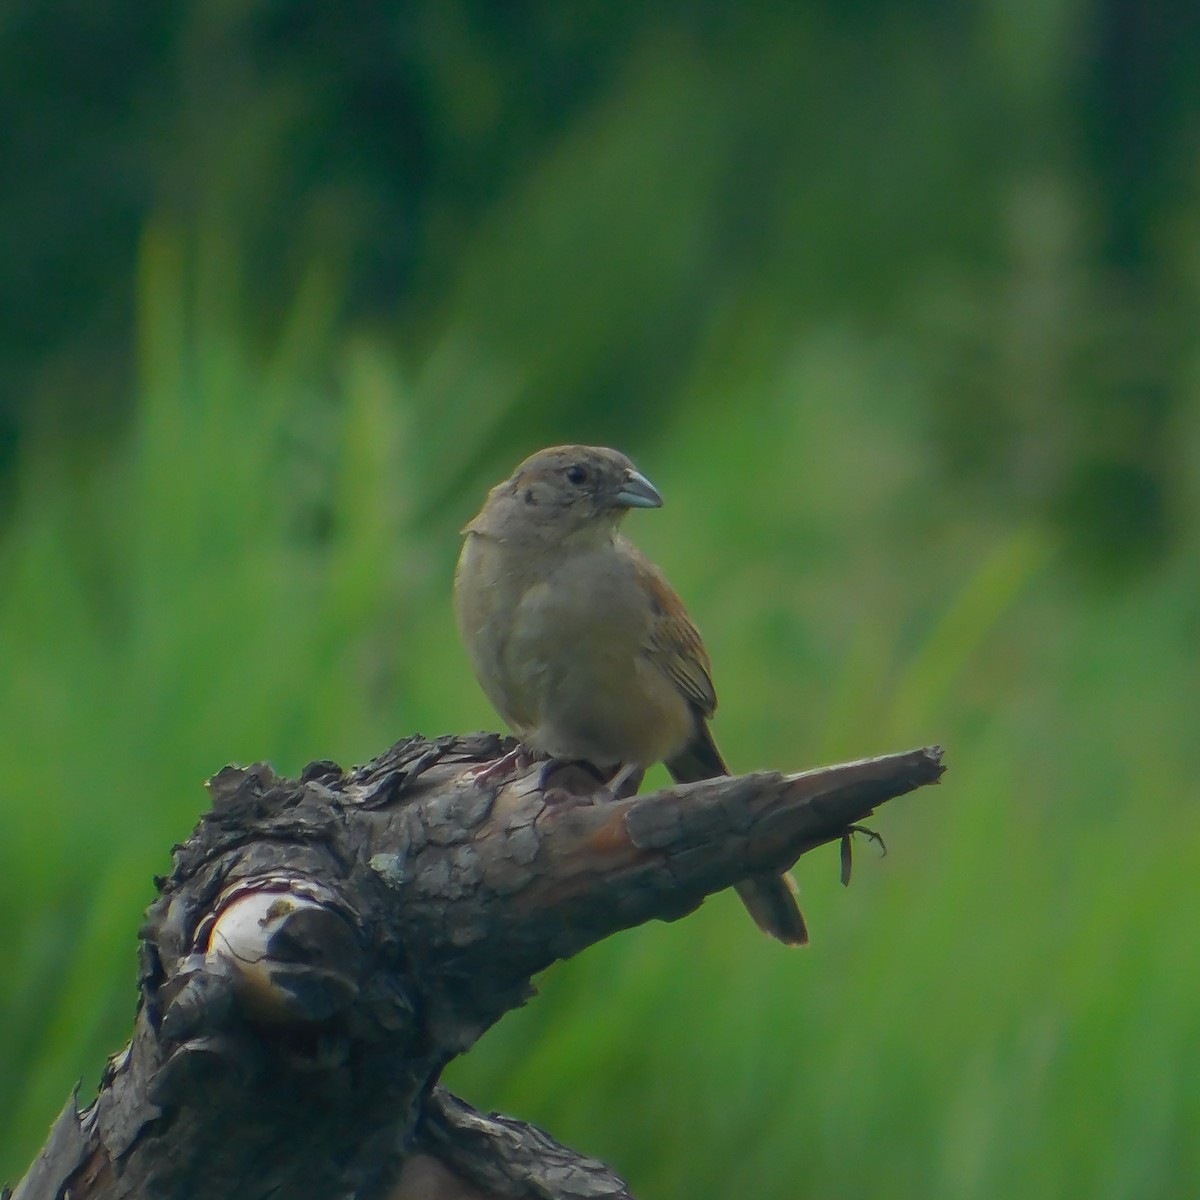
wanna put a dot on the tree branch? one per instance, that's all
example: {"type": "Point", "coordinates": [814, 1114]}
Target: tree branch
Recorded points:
{"type": "Point", "coordinates": [322, 948]}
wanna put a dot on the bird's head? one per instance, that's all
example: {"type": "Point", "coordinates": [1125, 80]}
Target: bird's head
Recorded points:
{"type": "Point", "coordinates": [566, 491]}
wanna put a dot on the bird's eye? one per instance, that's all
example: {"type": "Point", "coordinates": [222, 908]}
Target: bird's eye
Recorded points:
{"type": "Point", "coordinates": [576, 474]}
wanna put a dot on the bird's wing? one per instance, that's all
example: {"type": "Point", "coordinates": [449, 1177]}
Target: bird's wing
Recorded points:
{"type": "Point", "coordinates": [673, 643]}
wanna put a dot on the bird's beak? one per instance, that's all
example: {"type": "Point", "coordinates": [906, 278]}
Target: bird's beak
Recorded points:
{"type": "Point", "coordinates": [638, 492]}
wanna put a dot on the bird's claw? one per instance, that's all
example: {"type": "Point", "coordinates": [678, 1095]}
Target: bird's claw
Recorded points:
{"type": "Point", "coordinates": [517, 759]}
{"type": "Point", "coordinates": [626, 781]}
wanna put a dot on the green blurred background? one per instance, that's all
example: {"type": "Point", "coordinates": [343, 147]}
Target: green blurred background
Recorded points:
{"type": "Point", "coordinates": [895, 302]}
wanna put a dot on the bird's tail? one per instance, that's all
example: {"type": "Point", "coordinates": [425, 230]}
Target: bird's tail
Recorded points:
{"type": "Point", "coordinates": [770, 899]}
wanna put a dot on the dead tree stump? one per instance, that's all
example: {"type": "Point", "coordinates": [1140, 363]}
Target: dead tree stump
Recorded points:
{"type": "Point", "coordinates": [324, 947]}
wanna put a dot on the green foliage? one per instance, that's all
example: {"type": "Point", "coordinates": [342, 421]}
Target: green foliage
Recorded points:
{"type": "Point", "coordinates": [573, 193]}
{"type": "Point", "coordinates": [897, 386]}
{"type": "Point", "coordinates": [1003, 1005]}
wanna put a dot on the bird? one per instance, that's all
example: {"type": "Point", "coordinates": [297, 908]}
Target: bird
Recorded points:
{"type": "Point", "coordinates": [581, 644]}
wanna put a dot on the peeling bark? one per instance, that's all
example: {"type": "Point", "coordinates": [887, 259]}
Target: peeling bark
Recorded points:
{"type": "Point", "coordinates": [323, 947]}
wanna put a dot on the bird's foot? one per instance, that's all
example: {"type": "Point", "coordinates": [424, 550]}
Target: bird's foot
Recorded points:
{"type": "Point", "coordinates": [626, 781]}
{"type": "Point", "coordinates": [563, 779]}
{"type": "Point", "coordinates": [517, 759]}
{"type": "Point", "coordinates": [585, 783]}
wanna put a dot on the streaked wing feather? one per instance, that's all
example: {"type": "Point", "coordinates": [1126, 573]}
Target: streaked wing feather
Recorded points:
{"type": "Point", "coordinates": [673, 643]}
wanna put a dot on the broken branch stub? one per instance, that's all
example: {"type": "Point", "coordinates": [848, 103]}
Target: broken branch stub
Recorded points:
{"type": "Point", "coordinates": [323, 947]}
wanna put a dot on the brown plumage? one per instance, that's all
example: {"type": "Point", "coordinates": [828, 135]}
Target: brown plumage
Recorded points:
{"type": "Point", "coordinates": [579, 640]}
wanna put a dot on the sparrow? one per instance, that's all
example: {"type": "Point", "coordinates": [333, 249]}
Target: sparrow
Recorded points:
{"type": "Point", "coordinates": [581, 644]}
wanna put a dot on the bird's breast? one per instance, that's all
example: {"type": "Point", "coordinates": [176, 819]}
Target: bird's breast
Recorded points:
{"type": "Point", "coordinates": [558, 640]}
{"type": "Point", "coordinates": [577, 655]}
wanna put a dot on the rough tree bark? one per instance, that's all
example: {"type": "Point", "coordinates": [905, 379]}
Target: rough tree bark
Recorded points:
{"type": "Point", "coordinates": [323, 947]}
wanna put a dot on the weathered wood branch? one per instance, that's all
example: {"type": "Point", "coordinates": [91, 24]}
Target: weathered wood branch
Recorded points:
{"type": "Point", "coordinates": [323, 947]}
